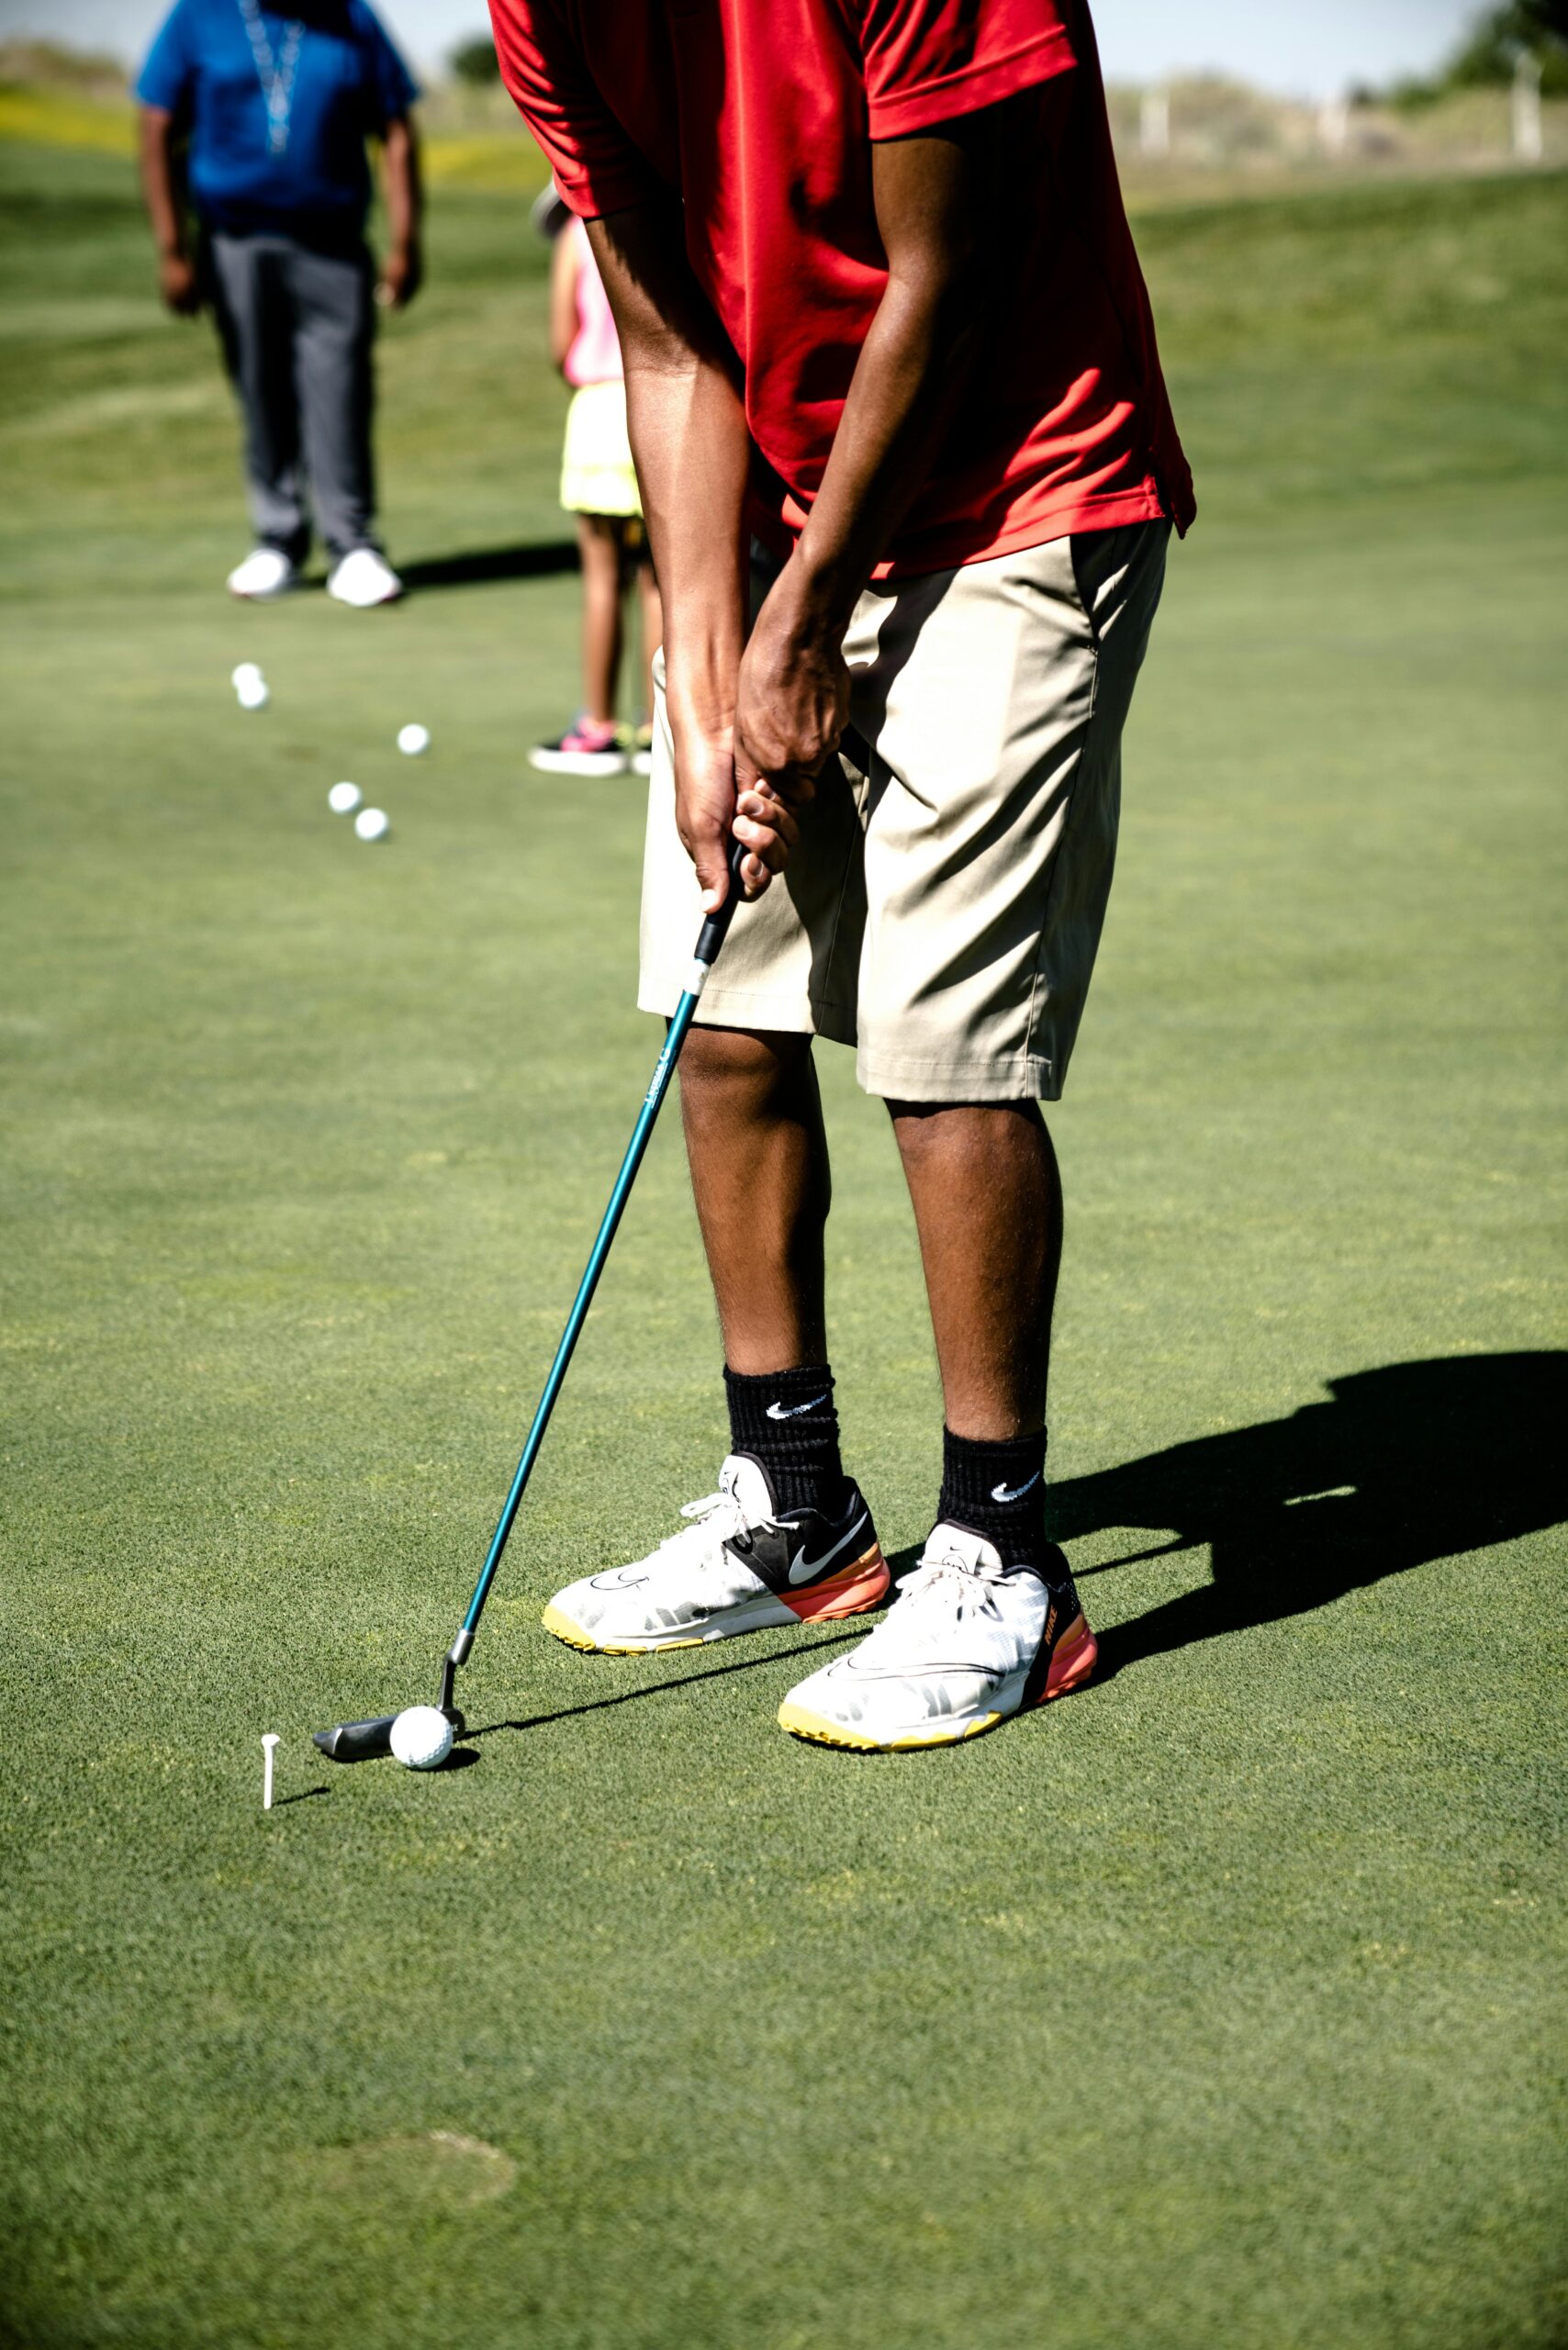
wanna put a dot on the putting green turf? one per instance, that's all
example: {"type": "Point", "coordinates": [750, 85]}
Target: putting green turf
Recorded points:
{"type": "Point", "coordinates": [1222, 2005]}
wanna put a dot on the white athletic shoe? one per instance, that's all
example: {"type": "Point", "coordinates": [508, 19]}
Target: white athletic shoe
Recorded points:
{"type": "Point", "coordinates": [967, 1643]}
{"type": "Point", "coordinates": [363, 577]}
{"type": "Point", "coordinates": [266, 572]}
{"type": "Point", "coordinates": [740, 1566]}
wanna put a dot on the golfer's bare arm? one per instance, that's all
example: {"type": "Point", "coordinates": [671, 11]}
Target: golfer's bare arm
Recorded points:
{"type": "Point", "coordinates": [688, 435]}
{"type": "Point", "coordinates": [161, 195]}
{"type": "Point", "coordinates": [940, 200]}
{"type": "Point", "coordinates": [402, 268]}
{"type": "Point", "coordinates": [753, 724]}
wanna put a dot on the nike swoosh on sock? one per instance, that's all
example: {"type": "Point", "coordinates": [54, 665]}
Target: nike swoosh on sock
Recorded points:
{"type": "Point", "coordinates": [1016, 1493]}
{"type": "Point", "coordinates": [794, 1411]}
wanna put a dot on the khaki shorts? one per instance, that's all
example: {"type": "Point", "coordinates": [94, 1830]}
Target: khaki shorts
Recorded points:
{"type": "Point", "coordinates": [942, 911]}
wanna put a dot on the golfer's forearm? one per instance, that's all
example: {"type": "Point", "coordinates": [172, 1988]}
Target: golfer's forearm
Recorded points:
{"type": "Point", "coordinates": [401, 185]}
{"type": "Point", "coordinates": [159, 188]}
{"type": "Point", "coordinates": [913, 368]}
{"type": "Point", "coordinates": [688, 435]}
{"type": "Point", "coordinates": [939, 197]}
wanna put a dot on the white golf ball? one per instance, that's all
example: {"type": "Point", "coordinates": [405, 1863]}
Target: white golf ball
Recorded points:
{"type": "Point", "coordinates": [421, 1738]}
{"type": "Point", "coordinates": [242, 670]}
{"type": "Point", "coordinates": [252, 693]}
{"type": "Point", "coordinates": [413, 741]}
{"type": "Point", "coordinates": [344, 798]}
{"type": "Point", "coordinates": [373, 824]}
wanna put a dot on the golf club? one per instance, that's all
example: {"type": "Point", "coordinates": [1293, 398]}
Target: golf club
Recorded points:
{"type": "Point", "coordinates": [359, 1741]}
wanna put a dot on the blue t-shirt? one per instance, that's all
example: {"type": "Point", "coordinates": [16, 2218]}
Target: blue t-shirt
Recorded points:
{"type": "Point", "coordinates": [347, 84]}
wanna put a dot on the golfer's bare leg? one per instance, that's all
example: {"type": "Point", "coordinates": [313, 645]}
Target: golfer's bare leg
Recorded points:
{"type": "Point", "coordinates": [988, 1207]}
{"type": "Point", "coordinates": [759, 1170]}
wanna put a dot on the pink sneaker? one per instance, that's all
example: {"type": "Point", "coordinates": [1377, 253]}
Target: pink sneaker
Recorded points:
{"type": "Point", "coordinates": [586, 748]}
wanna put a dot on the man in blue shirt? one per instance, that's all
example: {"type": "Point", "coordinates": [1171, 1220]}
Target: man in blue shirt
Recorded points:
{"type": "Point", "coordinates": [274, 112]}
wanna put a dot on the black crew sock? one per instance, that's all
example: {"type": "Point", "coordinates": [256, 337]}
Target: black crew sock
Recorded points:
{"type": "Point", "coordinates": [997, 1487]}
{"type": "Point", "coordinates": [786, 1421]}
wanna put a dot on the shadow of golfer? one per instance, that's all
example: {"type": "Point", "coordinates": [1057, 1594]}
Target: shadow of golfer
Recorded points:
{"type": "Point", "coordinates": [675, 1681]}
{"type": "Point", "coordinates": [1417, 1461]}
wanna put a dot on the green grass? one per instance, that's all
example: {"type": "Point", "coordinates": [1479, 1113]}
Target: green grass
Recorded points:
{"type": "Point", "coordinates": [1223, 2006]}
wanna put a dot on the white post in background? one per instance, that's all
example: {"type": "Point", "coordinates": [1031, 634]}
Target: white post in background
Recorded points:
{"type": "Point", "coordinates": [1334, 126]}
{"type": "Point", "coordinates": [1526, 107]}
{"type": "Point", "coordinates": [1154, 123]}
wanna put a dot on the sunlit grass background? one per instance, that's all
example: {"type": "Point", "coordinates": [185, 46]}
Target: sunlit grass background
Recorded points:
{"type": "Point", "coordinates": [1223, 2005]}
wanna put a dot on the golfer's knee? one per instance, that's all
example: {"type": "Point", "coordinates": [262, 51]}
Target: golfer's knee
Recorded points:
{"type": "Point", "coordinates": [737, 1059]}
{"type": "Point", "coordinates": [932, 1134]}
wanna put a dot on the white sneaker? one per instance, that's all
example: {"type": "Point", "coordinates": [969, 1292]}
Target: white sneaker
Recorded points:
{"type": "Point", "coordinates": [739, 1567]}
{"type": "Point", "coordinates": [266, 572]}
{"type": "Point", "coordinates": [363, 577]}
{"type": "Point", "coordinates": [967, 1643]}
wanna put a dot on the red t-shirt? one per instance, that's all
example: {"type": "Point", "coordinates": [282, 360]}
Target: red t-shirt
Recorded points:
{"type": "Point", "coordinates": [759, 114]}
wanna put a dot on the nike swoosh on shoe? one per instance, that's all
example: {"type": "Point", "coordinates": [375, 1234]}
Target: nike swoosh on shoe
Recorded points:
{"type": "Point", "coordinates": [802, 1570]}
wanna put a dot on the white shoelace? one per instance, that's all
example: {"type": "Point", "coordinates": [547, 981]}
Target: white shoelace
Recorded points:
{"type": "Point", "coordinates": [717, 1518]}
{"type": "Point", "coordinates": [941, 1592]}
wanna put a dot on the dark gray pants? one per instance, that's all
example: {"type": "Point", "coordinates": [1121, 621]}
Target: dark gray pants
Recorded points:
{"type": "Point", "coordinates": [297, 328]}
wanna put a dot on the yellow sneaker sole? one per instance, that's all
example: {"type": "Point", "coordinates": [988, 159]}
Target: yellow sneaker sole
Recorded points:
{"type": "Point", "coordinates": [801, 1723]}
{"type": "Point", "coordinates": [576, 1637]}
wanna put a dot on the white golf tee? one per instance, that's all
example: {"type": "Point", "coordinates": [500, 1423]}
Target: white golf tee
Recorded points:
{"type": "Point", "coordinates": [269, 1741]}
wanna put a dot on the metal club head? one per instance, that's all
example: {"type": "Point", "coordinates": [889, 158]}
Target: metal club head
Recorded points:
{"type": "Point", "coordinates": [363, 1741]}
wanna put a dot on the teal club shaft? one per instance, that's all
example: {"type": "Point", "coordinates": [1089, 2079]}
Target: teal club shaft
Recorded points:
{"type": "Point", "coordinates": [713, 933]}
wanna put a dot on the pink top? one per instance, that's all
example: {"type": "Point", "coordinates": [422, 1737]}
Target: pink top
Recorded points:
{"type": "Point", "coordinates": [595, 354]}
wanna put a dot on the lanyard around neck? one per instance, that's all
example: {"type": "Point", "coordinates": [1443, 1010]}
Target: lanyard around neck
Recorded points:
{"type": "Point", "coordinates": [275, 74]}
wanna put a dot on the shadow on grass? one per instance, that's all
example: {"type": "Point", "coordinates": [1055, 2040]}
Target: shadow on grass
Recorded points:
{"type": "Point", "coordinates": [1417, 1461]}
{"type": "Point", "coordinates": [678, 1681]}
{"type": "Point", "coordinates": [484, 565]}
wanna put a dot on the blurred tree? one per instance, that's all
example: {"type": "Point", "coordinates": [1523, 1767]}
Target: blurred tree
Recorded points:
{"type": "Point", "coordinates": [475, 62]}
{"type": "Point", "coordinates": [1487, 56]}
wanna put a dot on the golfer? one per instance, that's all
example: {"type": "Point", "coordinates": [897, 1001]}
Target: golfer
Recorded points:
{"type": "Point", "coordinates": [276, 111]}
{"type": "Point", "coordinates": [880, 313]}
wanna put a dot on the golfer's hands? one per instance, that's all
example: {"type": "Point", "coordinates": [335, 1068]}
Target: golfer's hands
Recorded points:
{"type": "Point", "coordinates": [709, 807]}
{"type": "Point", "coordinates": [178, 285]}
{"type": "Point", "coordinates": [402, 272]}
{"type": "Point", "coordinates": [791, 708]}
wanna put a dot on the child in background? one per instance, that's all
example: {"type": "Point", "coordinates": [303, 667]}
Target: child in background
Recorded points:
{"type": "Point", "coordinates": [598, 485]}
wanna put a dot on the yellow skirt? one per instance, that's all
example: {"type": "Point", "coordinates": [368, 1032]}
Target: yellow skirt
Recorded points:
{"type": "Point", "coordinates": [596, 473]}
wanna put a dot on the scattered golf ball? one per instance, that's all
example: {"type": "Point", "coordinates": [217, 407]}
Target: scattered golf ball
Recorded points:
{"type": "Point", "coordinates": [344, 798]}
{"type": "Point", "coordinates": [413, 741]}
{"type": "Point", "coordinates": [373, 824]}
{"type": "Point", "coordinates": [252, 693]}
{"type": "Point", "coordinates": [421, 1738]}
{"type": "Point", "coordinates": [242, 670]}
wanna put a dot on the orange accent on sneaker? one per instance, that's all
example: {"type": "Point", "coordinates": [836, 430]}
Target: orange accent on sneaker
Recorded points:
{"type": "Point", "coordinates": [1072, 1661]}
{"type": "Point", "coordinates": [854, 1588]}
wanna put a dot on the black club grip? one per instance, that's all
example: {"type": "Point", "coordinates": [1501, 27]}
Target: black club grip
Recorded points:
{"type": "Point", "coordinates": [716, 928]}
